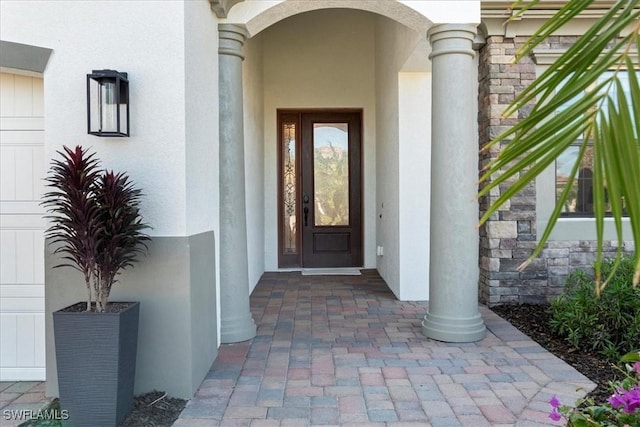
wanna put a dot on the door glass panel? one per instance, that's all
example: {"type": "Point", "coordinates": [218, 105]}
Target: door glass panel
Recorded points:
{"type": "Point", "coordinates": [331, 173]}
{"type": "Point", "coordinates": [289, 189]}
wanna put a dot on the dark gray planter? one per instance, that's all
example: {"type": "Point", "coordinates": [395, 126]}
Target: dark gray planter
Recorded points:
{"type": "Point", "coordinates": [96, 359]}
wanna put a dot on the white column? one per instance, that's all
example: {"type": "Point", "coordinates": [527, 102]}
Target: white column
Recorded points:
{"type": "Point", "coordinates": [453, 314]}
{"type": "Point", "coordinates": [236, 323]}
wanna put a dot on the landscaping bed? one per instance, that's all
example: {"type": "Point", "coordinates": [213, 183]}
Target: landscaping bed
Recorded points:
{"type": "Point", "coordinates": [154, 409]}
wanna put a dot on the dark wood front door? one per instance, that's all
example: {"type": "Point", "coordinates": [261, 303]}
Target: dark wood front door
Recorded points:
{"type": "Point", "coordinates": [323, 200]}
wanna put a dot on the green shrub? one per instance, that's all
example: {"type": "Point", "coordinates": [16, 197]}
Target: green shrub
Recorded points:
{"type": "Point", "coordinates": [609, 324]}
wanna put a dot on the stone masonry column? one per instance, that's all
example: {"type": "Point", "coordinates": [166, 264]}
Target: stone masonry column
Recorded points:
{"type": "Point", "coordinates": [453, 314]}
{"type": "Point", "coordinates": [236, 323]}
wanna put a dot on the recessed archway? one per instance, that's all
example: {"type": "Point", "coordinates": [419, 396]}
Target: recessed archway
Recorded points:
{"type": "Point", "coordinates": [390, 38]}
{"type": "Point", "coordinates": [346, 58]}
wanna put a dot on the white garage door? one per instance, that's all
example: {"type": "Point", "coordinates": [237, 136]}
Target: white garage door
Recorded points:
{"type": "Point", "coordinates": [22, 167]}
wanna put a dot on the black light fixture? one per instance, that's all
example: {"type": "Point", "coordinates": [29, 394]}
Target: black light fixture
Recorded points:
{"type": "Point", "coordinates": [108, 103]}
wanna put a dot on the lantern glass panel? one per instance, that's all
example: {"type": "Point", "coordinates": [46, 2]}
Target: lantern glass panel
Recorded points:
{"type": "Point", "coordinates": [108, 103]}
{"type": "Point", "coordinates": [124, 116]}
{"type": "Point", "coordinates": [108, 107]}
{"type": "Point", "coordinates": [94, 106]}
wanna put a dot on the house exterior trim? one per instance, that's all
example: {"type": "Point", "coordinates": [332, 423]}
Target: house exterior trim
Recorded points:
{"type": "Point", "coordinates": [22, 58]}
{"type": "Point", "coordinates": [221, 7]}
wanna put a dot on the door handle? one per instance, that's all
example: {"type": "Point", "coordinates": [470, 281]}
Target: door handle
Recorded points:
{"type": "Point", "coordinates": [305, 200]}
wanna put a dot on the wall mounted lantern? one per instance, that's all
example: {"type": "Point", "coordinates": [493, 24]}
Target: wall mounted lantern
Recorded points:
{"type": "Point", "coordinates": [107, 103]}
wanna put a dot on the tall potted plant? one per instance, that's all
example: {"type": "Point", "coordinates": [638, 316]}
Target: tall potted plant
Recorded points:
{"type": "Point", "coordinates": [97, 229]}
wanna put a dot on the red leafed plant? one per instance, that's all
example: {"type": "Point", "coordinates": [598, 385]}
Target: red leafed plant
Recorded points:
{"type": "Point", "coordinates": [95, 221]}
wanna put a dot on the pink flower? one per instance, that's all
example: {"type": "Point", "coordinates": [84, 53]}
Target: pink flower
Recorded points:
{"type": "Point", "coordinates": [555, 415]}
{"type": "Point", "coordinates": [629, 400]}
{"type": "Point", "coordinates": [636, 367]}
{"type": "Point", "coordinates": [617, 400]}
{"type": "Point", "coordinates": [555, 404]}
{"type": "Point", "coordinates": [633, 400]}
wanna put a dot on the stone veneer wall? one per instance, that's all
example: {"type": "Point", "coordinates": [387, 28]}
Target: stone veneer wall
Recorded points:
{"type": "Point", "coordinates": [510, 236]}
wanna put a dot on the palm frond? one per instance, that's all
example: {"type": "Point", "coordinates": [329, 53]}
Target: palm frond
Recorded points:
{"type": "Point", "coordinates": [577, 98]}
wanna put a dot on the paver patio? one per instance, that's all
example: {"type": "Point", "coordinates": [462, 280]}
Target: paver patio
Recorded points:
{"type": "Point", "coordinates": [20, 401]}
{"type": "Point", "coordinates": [342, 350]}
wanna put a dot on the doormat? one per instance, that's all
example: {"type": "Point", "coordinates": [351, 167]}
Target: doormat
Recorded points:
{"type": "Point", "coordinates": [331, 272]}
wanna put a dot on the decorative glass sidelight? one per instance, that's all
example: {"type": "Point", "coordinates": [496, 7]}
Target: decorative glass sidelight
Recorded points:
{"type": "Point", "coordinates": [289, 189]}
{"type": "Point", "coordinates": [331, 174]}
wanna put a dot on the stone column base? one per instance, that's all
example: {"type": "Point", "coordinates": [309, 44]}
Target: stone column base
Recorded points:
{"type": "Point", "coordinates": [453, 329]}
{"type": "Point", "coordinates": [237, 328]}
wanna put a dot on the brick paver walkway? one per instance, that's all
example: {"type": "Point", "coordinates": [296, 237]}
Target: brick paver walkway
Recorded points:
{"type": "Point", "coordinates": [21, 401]}
{"type": "Point", "coordinates": [341, 350]}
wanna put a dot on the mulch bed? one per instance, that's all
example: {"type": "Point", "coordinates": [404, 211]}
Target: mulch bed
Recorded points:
{"type": "Point", "coordinates": [533, 320]}
{"type": "Point", "coordinates": [154, 409]}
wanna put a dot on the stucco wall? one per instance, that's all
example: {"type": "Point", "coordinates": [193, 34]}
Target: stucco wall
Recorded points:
{"type": "Point", "coordinates": [414, 183]}
{"type": "Point", "coordinates": [394, 45]}
{"type": "Point", "coordinates": [202, 195]}
{"type": "Point", "coordinates": [201, 117]}
{"type": "Point", "coordinates": [387, 162]}
{"type": "Point", "coordinates": [320, 59]}
{"type": "Point", "coordinates": [84, 38]}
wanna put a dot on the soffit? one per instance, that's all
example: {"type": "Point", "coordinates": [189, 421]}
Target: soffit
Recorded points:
{"type": "Point", "coordinates": [542, 4]}
{"type": "Point", "coordinates": [496, 14]}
